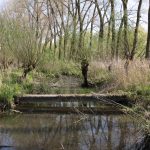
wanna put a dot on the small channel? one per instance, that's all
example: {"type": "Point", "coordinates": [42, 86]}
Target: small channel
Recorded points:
{"type": "Point", "coordinates": [69, 132]}
{"type": "Point", "coordinates": [47, 126]}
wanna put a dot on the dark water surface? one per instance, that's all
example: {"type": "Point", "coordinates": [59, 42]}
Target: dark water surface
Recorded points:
{"type": "Point", "coordinates": [68, 132]}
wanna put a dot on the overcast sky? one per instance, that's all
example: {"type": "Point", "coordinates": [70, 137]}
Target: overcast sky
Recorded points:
{"type": "Point", "coordinates": [1, 2]}
{"type": "Point", "coordinates": [132, 5]}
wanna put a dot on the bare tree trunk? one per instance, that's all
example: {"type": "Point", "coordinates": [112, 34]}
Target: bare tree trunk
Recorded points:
{"type": "Point", "coordinates": [80, 45]}
{"type": "Point", "coordinates": [101, 30]}
{"type": "Point", "coordinates": [147, 56]}
{"type": "Point", "coordinates": [73, 38]}
{"type": "Point", "coordinates": [55, 40]}
{"type": "Point", "coordinates": [91, 30]}
{"type": "Point", "coordinates": [36, 9]}
{"type": "Point", "coordinates": [118, 39]}
{"type": "Point", "coordinates": [81, 17]}
{"type": "Point", "coordinates": [60, 45]}
{"type": "Point", "coordinates": [66, 33]}
{"type": "Point", "coordinates": [113, 43]}
{"type": "Point", "coordinates": [102, 23]}
{"type": "Point", "coordinates": [108, 35]}
{"type": "Point", "coordinates": [126, 43]}
{"type": "Point", "coordinates": [136, 30]}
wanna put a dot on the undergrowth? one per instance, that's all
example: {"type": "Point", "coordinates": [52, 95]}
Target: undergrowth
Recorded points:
{"type": "Point", "coordinates": [136, 82]}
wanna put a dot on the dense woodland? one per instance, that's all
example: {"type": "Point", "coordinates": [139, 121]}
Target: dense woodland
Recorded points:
{"type": "Point", "coordinates": [55, 37]}
{"type": "Point", "coordinates": [32, 31]}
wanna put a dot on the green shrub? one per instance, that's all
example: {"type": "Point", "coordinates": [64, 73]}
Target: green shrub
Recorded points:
{"type": "Point", "coordinates": [55, 69]}
{"type": "Point", "coordinates": [11, 77]}
{"type": "Point", "coordinates": [41, 89]}
{"type": "Point", "coordinates": [7, 92]}
{"type": "Point", "coordinates": [27, 87]}
{"type": "Point", "coordinates": [27, 84]}
{"type": "Point", "coordinates": [143, 90]}
{"type": "Point", "coordinates": [11, 86]}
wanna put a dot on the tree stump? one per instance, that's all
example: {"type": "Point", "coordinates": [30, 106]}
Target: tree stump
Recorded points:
{"type": "Point", "coordinates": [84, 68]}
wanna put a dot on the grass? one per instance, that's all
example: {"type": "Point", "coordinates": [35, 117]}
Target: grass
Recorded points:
{"type": "Point", "coordinates": [98, 73]}
{"type": "Point", "coordinates": [138, 74]}
{"type": "Point", "coordinates": [137, 82]}
{"type": "Point", "coordinates": [57, 68]}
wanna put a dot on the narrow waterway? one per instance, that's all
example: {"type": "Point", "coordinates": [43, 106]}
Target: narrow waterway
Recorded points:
{"type": "Point", "coordinates": [68, 132]}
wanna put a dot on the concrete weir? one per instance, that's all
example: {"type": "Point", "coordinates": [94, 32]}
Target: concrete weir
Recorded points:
{"type": "Point", "coordinates": [121, 99]}
{"type": "Point", "coordinates": [69, 103]}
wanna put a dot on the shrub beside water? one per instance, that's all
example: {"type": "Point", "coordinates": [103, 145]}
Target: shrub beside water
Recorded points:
{"type": "Point", "coordinates": [7, 93]}
{"type": "Point", "coordinates": [10, 86]}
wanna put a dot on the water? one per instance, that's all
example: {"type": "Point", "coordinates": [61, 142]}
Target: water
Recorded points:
{"type": "Point", "coordinates": [68, 132]}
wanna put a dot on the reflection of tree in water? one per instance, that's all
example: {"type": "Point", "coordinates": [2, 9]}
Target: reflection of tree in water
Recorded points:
{"type": "Point", "coordinates": [144, 144]}
{"type": "Point", "coordinates": [46, 132]}
{"type": "Point", "coordinates": [123, 131]}
{"type": "Point", "coordinates": [111, 134]}
{"type": "Point", "coordinates": [6, 141]}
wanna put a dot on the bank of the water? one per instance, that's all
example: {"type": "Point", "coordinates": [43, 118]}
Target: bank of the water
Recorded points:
{"type": "Point", "coordinates": [37, 83]}
{"type": "Point", "coordinates": [13, 134]}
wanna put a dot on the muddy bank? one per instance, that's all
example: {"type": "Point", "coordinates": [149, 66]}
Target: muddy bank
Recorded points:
{"type": "Point", "coordinates": [67, 85]}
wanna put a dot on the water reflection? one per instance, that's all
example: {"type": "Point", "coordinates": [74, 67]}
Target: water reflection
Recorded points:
{"type": "Point", "coordinates": [68, 132]}
{"type": "Point", "coordinates": [68, 107]}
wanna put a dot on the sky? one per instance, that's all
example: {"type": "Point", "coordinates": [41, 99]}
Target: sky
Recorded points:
{"type": "Point", "coordinates": [132, 5]}
{"type": "Point", "coordinates": [1, 2]}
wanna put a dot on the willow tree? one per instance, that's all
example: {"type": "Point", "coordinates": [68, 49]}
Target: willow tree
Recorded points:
{"type": "Point", "coordinates": [6, 56]}
{"type": "Point", "coordinates": [28, 32]}
{"type": "Point", "coordinates": [23, 44]}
